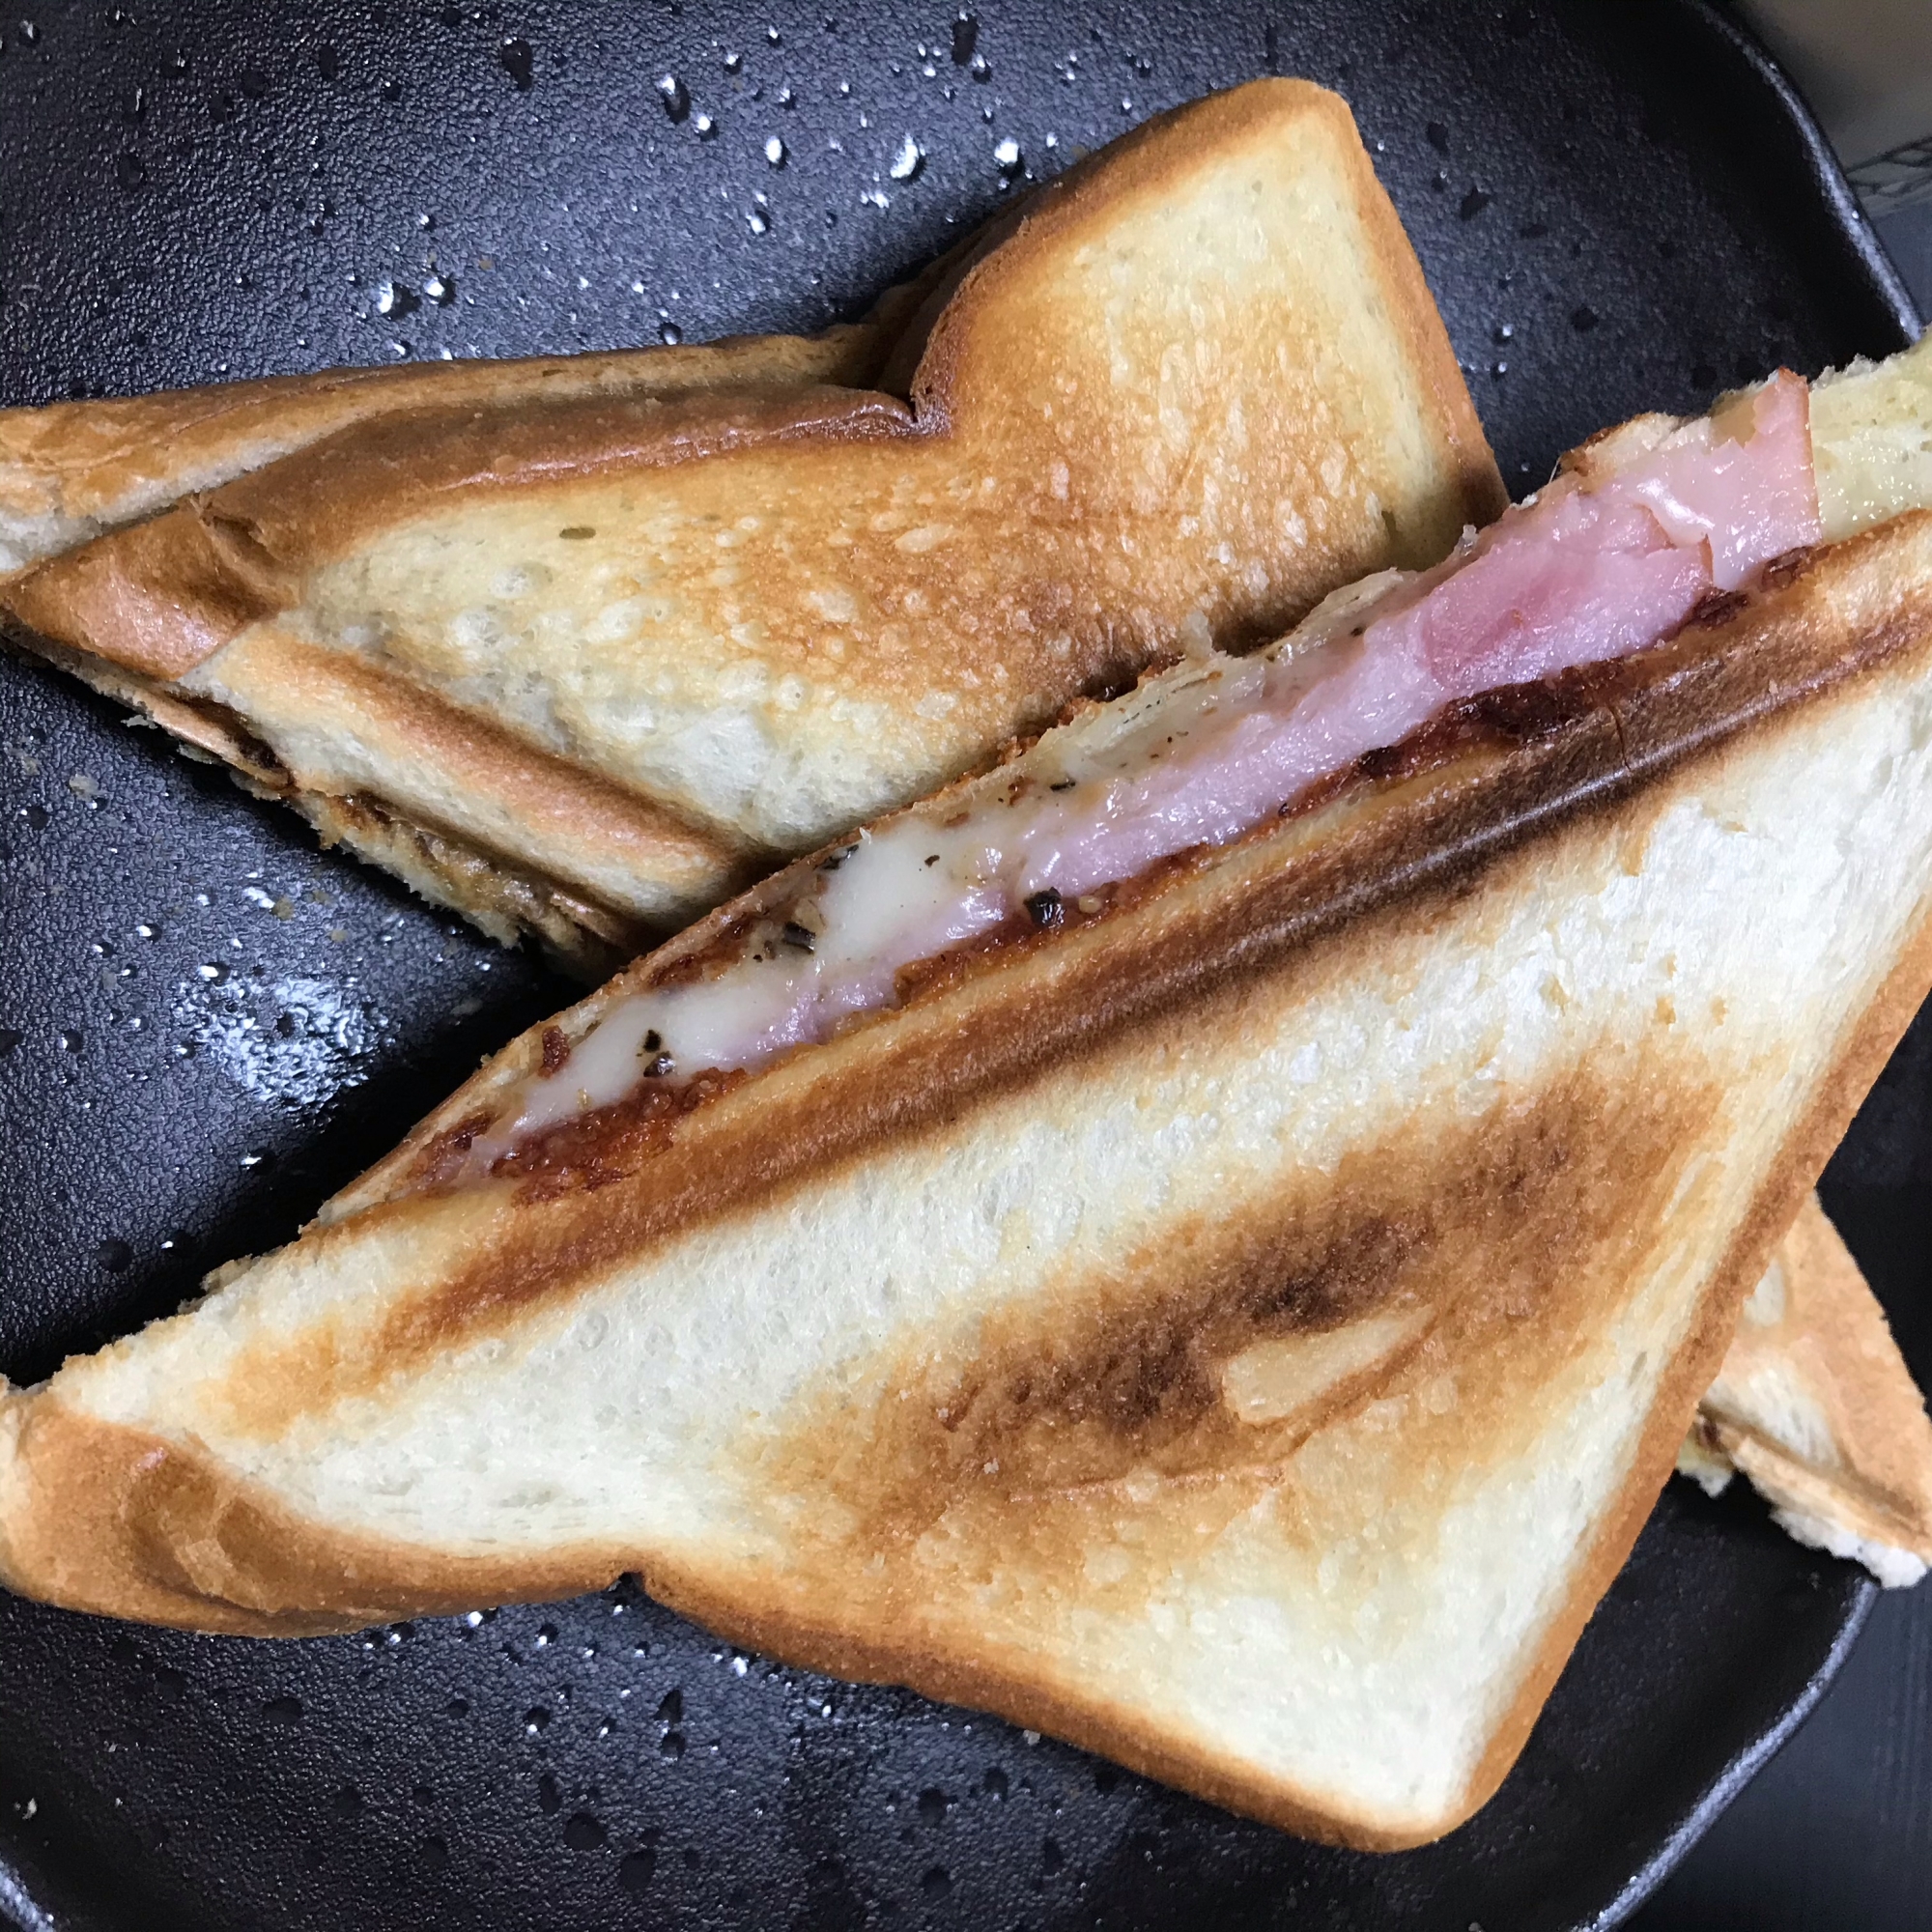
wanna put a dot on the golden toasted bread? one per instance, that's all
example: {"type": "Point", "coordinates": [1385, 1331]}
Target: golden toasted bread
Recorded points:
{"type": "Point", "coordinates": [586, 661]}
{"type": "Point", "coordinates": [1815, 1404]}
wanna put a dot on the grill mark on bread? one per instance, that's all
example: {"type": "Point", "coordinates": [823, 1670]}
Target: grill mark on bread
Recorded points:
{"type": "Point", "coordinates": [106, 461]}
{"type": "Point", "coordinates": [1263, 908]}
{"type": "Point", "coordinates": [496, 760]}
{"type": "Point", "coordinates": [1500, 1231]}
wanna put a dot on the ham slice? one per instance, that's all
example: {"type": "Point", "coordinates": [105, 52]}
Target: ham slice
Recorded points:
{"type": "Point", "coordinates": [1611, 558]}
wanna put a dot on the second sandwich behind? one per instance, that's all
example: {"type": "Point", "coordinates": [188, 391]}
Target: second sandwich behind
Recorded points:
{"type": "Point", "coordinates": [584, 663]}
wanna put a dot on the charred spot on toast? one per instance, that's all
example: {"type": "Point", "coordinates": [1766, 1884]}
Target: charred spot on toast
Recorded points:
{"type": "Point", "coordinates": [444, 1155]}
{"type": "Point", "coordinates": [605, 1144]}
{"type": "Point", "coordinates": [1493, 1235]}
{"type": "Point", "coordinates": [1717, 607]}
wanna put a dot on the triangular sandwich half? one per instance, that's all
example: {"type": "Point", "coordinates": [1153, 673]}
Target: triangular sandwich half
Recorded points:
{"type": "Point", "coordinates": [584, 663]}
{"type": "Point", "coordinates": [1206, 1238]}
{"type": "Point", "coordinates": [1815, 1404]}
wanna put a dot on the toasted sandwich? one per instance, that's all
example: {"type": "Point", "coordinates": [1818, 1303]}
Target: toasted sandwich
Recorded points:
{"type": "Point", "coordinates": [579, 648]}
{"type": "Point", "coordinates": [1205, 1239]}
{"type": "Point", "coordinates": [1815, 1404]}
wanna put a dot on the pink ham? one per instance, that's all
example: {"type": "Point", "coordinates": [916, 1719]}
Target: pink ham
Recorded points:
{"type": "Point", "coordinates": [1586, 572]}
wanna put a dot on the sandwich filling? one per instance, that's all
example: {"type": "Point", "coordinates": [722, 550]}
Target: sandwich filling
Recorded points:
{"type": "Point", "coordinates": [1611, 558]}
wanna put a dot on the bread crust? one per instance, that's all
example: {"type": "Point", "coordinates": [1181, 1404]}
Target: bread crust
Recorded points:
{"type": "Point", "coordinates": [109, 1517]}
{"type": "Point", "coordinates": [164, 599]}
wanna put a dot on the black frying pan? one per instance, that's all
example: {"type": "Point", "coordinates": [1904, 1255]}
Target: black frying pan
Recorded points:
{"type": "Point", "coordinates": [206, 1025]}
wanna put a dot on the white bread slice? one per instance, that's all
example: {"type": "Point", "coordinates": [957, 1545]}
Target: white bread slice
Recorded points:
{"type": "Point", "coordinates": [990, 1348]}
{"type": "Point", "coordinates": [1815, 1404]}
{"type": "Point", "coordinates": [630, 650]}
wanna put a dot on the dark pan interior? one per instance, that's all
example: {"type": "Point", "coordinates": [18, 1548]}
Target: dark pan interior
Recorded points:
{"type": "Point", "coordinates": [206, 1025]}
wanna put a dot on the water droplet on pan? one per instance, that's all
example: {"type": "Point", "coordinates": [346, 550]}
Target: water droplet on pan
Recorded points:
{"type": "Point", "coordinates": [669, 335]}
{"type": "Point", "coordinates": [1007, 156]}
{"type": "Point", "coordinates": [908, 161]}
{"type": "Point", "coordinates": [775, 152]}
{"type": "Point", "coordinates": [705, 128]}
{"type": "Point", "coordinates": [583, 1833]}
{"type": "Point", "coordinates": [675, 96]}
{"type": "Point", "coordinates": [518, 63]}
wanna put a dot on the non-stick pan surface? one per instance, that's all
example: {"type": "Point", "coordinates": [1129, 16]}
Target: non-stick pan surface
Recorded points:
{"type": "Point", "coordinates": [206, 1024]}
